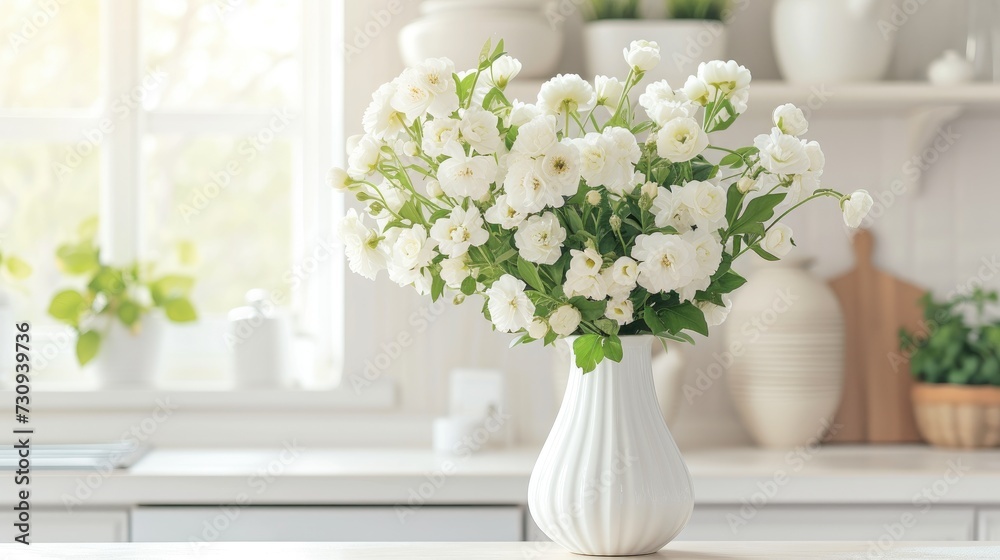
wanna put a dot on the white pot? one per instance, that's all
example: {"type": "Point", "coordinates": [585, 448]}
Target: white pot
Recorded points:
{"type": "Point", "coordinates": [458, 30]}
{"type": "Point", "coordinates": [610, 480]}
{"type": "Point", "coordinates": [683, 45]}
{"type": "Point", "coordinates": [126, 360]}
{"type": "Point", "coordinates": [787, 380]}
{"type": "Point", "coordinates": [832, 41]}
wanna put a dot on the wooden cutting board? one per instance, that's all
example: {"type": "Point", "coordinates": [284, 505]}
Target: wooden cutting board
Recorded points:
{"type": "Point", "coordinates": [875, 406]}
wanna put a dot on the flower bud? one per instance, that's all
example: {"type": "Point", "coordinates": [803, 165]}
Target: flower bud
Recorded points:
{"type": "Point", "coordinates": [747, 184]}
{"type": "Point", "coordinates": [538, 328]}
{"type": "Point", "coordinates": [593, 198]}
{"type": "Point", "coordinates": [434, 188]}
{"type": "Point", "coordinates": [616, 222]}
{"type": "Point", "coordinates": [338, 179]}
{"type": "Point", "coordinates": [650, 190]}
{"type": "Point", "coordinates": [410, 148]}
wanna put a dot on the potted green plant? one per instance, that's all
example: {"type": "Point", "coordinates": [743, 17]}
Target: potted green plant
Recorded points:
{"type": "Point", "coordinates": [956, 361]}
{"type": "Point", "coordinates": [119, 312]}
{"type": "Point", "coordinates": [693, 32]}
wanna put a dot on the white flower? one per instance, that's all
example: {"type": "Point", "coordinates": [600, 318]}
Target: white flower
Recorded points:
{"type": "Point", "coordinates": [791, 120]}
{"type": "Point", "coordinates": [565, 320]}
{"type": "Point", "coordinates": [521, 113]}
{"type": "Point", "coordinates": [620, 310]}
{"type": "Point", "coordinates": [588, 261]}
{"type": "Point", "coordinates": [459, 231]}
{"type": "Point", "coordinates": [479, 130]}
{"type": "Point", "coordinates": [503, 70]}
{"type": "Point", "coordinates": [782, 153]}
{"type": "Point", "coordinates": [380, 119]}
{"type": "Point", "coordinates": [816, 158]}
{"type": "Point", "coordinates": [528, 190]}
{"type": "Point", "coordinates": [705, 202]}
{"type": "Point", "coordinates": [666, 262]}
{"type": "Point", "coordinates": [707, 251]}
{"type": "Point", "coordinates": [594, 198]}
{"type": "Point", "coordinates": [669, 210]}
{"type": "Point", "coordinates": [561, 167]}
{"type": "Point", "coordinates": [538, 328]}
{"type": "Point", "coordinates": [428, 87]}
{"type": "Point", "coordinates": [364, 157]}
{"type": "Point", "coordinates": [455, 270]}
{"type": "Point", "coordinates": [650, 190]}
{"type": "Point", "coordinates": [510, 308]}
{"type": "Point", "coordinates": [642, 55]}
{"type": "Point", "coordinates": [503, 214]}
{"type": "Point", "coordinates": [663, 104]}
{"type": "Point", "coordinates": [365, 254]}
{"type": "Point", "coordinates": [608, 159]}
{"type": "Point", "coordinates": [778, 240]}
{"type": "Point", "coordinates": [391, 200]}
{"type": "Point", "coordinates": [412, 251]}
{"type": "Point", "coordinates": [535, 137]}
{"type": "Point", "coordinates": [609, 92]}
{"type": "Point", "coordinates": [625, 271]}
{"type": "Point", "coordinates": [715, 315]}
{"type": "Point", "coordinates": [468, 176]}
{"type": "Point", "coordinates": [727, 77]}
{"type": "Point", "coordinates": [681, 140]}
{"type": "Point", "coordinates": [856, 207]}
{"type": "Point", "coordinates": [441, 138]}
{"type": "Point", "coordinates": [697, 91]}
{"type": "Point", "coordinates": [433, 188]}
{"type": "Point", "coordinates": [540, 239]}
{"type": "Point", "coordinates": [565, 94]}
{"type": "Point", "coordinates": [338, 179]}
{"type": "Point", "coordinates": [590, 286]}
{"type": "Point", "coordinates": [802, 185]}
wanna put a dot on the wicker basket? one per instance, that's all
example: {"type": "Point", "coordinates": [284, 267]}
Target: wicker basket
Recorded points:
{"type": "Point", "coordinates": [960, 416]}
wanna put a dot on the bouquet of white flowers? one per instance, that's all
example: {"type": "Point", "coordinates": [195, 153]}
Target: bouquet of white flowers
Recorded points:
{"type": "Point", "coordinates": [573, 215]}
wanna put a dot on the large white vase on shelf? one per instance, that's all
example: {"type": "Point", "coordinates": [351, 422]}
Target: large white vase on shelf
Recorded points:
{"type": "Point", "coordinates": [787, 378]}
{"type": "Point", "coordinates": [610, 480]}
{"type": "Point", "coordinates": [832, 41]}
{"type": "Point", "coordinates": [458, 29]}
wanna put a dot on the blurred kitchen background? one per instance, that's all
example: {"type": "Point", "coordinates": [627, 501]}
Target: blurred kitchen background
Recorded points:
{"type": "Point", "coordinates": [193, 136]}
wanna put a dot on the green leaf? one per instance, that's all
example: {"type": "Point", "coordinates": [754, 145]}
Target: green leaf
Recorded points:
{"type": "Point", "coordinates": [728, 282]}
{"type": "Point", "coordinates": [77, 259]}
{"type": "Point", "coordinates": [180, 310]}
{"type": "Point", "coordinates": [684, 316]}
{"type": "Point", "coordinates": [654, 323]}
{"type": "Point", "coordinates": [87, 230]}
{"type": "Point", "coordinates": [87, 345]}
{"type": "Point", "coordinates": [469, 286]}
{"type": "Point", "coordinates": [107, 281]}
{"type": "Point", "coordinates": [731, 160]}
{"type": "Point", "coordinates": [764, 254]}
{"type": "Point", "coordinates": [170, 287]}
{"type": "Point", "coordinates": [588, 351]}
{"type": "Point", "coordinates": [437, 286]}
{"type": "Point", "coordinates": [590, 310]}
{"type": "Point", "coordinates": [529, 274]}
{"type": "Point", "coordinates": [17, 268]}
{"type": "Point", "coordinates": [67, 306]}
{"type": "Point", "coordinates": [760, 209]}
{"type": "Point", "coordinates": [573, 220]}
{"type": "Point", "coordinates": [129, 312]}
{"type": "Point", "coordinates": [612, 346]}
{"type": "Point", "coordinates": [734, 201]}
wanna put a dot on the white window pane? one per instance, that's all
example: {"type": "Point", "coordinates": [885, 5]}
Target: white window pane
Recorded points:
{"type": "Point", "coordinates": [51, 54]}
{"type": "Point", "coordinates": [232, 201]}
{"type": "Point", "coordinates": [42, 201]}
{"type": "Point", "coordinates": [224, 55]}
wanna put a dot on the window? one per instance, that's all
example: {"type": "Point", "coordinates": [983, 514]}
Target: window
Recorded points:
{"type": "Point", "coordinates": [201, 128]}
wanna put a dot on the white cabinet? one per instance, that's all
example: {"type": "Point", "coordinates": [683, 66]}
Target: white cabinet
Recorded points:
{"type": "Point", "coordinates": [989, 525]}
{"type": "Point", "coordinates": [77, 526]}
{"type": "Point", "coordinates": [334, 524]}
{"type": "Point", "coordinates": [831, 523]}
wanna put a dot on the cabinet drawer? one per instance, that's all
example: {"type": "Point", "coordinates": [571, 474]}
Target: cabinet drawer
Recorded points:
{"type": "Point", "coordinates": [77, 526]}
{"type": "Point", "coordinates": [333, 524]}
{"type": "Point", "coordinates": [832, 523]}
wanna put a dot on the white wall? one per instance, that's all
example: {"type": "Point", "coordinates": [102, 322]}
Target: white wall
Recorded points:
{"type": "Point", "coordinates": [935, 238]}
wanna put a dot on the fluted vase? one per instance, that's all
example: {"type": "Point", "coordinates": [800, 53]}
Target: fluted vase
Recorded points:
{"type": "Point", "coordinates": [610, 480]}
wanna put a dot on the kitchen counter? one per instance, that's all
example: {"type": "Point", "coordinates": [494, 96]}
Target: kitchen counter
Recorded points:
{"type": "Point", "coordinates": [491, 551]}
{"type": "Point", "coordinates": [827, 475]}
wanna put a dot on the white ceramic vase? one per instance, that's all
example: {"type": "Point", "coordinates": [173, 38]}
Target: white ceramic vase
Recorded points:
{"type": "Point", "coordinates": [458, 29]}
{"type": "Point", "coordinates": [683, 43]}
{"type": "Point", "coordinates": [787, 376]}
{"type": "Point", "coordinates": [610, 480]}
{"type": "Point", "coordinates": [832, 41]}
{"type": "Point", "coordinates": [129, 360]}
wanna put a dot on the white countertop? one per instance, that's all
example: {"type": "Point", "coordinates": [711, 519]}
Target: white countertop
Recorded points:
{"type": "Point", "coordinates": [825, 475]}
{"type": "Point", "coordinates": [490, 551]}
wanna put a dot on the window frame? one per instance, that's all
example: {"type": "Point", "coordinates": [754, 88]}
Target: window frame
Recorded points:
{"type": "Point", "coordinates": [316, 134]}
